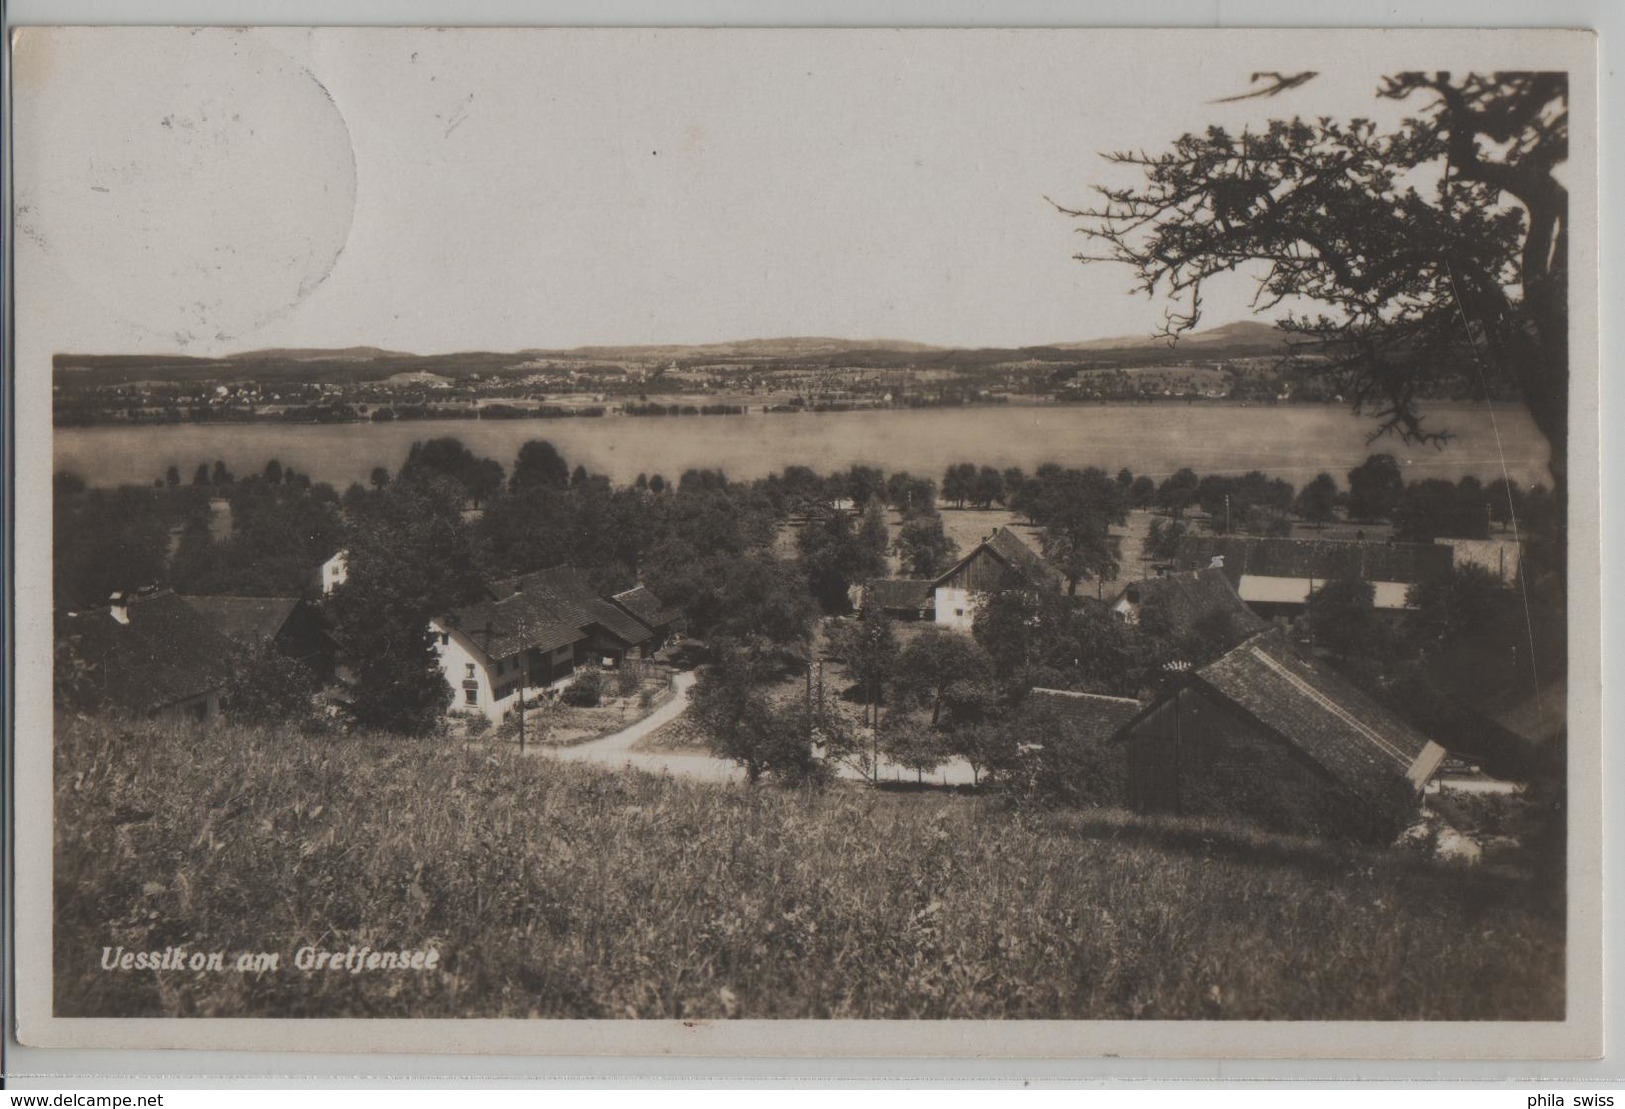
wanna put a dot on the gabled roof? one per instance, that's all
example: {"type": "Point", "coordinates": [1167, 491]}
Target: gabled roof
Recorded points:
{"type": "Point", "coordinates": [1008, 548]}
{"type": "Point", "coordinates": [910, 594]}
{"type": "Point", "coordinates": [168, 652]}
{"type": "Point", "coordinates": [249, 621]}
{"type": "Point", "coordinates": [1187, 599]}
{"type": "Point", "coordinates": [1097, 716]}
{"type": "Point", "coordinates": [518, 622]}
{"type": "Point", "coordinates": [1323, 559]}
{"type": "Point", "coordinates": [642, 603]}
{"type": "Point", "coordinates": [544, 611]}
{"type": "Point", "coordinates": [1306, 704]}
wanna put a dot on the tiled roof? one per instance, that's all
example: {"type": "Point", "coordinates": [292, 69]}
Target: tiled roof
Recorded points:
{"type": "Point", "coordinates": [1097, 717]}
{"type": "Point", "coordinates": [250, 621]}
{"type": "Point", "coordinates": [1187, 599]}
{"type": "Point", "coordinates": [1010, 549]}
{"type": "Point", "coordinates": [543, 611]}
{"type": "Point", "coordinates": [518, 622]}
{"type": "Point", "coordinates": [1355, 739]}
{"type": "Point", "coordinates": [642, 603]}
{"type": "Point", "coordinates": [1022, 558]}
{"type": "Point", "coordinates": [1323, 559]}
{"type": "Point", "coordinates": [909, 594]}
{"type": "Point", "coordinates": [168, 652]}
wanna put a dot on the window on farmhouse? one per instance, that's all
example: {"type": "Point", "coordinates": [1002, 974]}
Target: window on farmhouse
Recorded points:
{"type": "Point", "coordinates": [471, 696]}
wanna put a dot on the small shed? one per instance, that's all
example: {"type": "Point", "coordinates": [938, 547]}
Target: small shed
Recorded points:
{"type": "Point", "coordinates": [1279, 740]}
{"type": "Point", "coordinates": [899, 598]}
{"type": "Point", "coordinates": [648, 609]}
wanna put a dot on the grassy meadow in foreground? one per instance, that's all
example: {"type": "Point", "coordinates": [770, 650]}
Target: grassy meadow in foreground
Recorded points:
{"type": "Point", "coordinates": [556, 890]}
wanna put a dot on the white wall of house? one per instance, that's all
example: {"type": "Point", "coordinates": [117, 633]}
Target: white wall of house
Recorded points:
{"type": "Point", "coordinates": [335, 572]}
{"type": "Point", "coordinates": [956, 608]}
{"type": "Point", "coordinates": [475, 679]}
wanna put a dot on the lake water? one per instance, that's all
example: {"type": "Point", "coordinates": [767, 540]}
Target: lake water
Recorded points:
{"type": "Point", "coordinates": [1295, 442]}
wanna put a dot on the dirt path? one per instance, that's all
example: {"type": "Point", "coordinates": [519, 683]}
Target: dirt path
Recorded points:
{"type": "Point", "coordinates": [615, 750]}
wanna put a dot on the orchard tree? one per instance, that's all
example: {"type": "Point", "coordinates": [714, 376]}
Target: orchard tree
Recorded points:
{"type": "Point", "coordinates": [1439, 247]}
{"type": "Point", "coordinates": [1177, 491]}
{"type": "Point", "coordinates": [1343, 616]}
{"type": "Point", "coordinates": [1317, 499]}
{"type": "Point", "coordinates": [924, 547]}
{"type": "Point", "coordinates": [1375, 487]}
{"type": "Point", "coordinates": [868, 648]}
{"type": "Point", "coordinates": [409, 559]}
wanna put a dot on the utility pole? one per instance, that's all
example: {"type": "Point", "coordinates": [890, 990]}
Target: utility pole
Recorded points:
{"type": "Point", "coordinates": [524, 684]}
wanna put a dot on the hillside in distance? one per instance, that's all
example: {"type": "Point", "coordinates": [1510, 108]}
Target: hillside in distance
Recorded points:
{"type": "Point", "coordinates": [1228, 337]}
{"type": "Point", "coordinates": [366, 363]}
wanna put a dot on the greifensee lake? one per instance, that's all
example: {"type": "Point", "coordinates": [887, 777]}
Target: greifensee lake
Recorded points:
{"type": "Point", "coordinates": [1292, 441]}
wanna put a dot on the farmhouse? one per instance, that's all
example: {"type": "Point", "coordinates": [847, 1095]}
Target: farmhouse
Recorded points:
{"type": "Point", "coordinates": [149, 654]}
{"type": "Point", "coordinates": [531, 635]}
{"type": "Point", "coordinates": [1277, 576]}
{"type": "Point", "coordinates": [287, 625]}
{"type": "Point", "coordinates": [990, 565]}
{"type": "Point", "coordinates": [1197, 603]}
{"type": "Point", "coordinates": [1279, 740]}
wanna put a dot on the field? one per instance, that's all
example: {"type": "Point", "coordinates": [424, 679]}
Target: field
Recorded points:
{"type": "Point", "coordinates": [554, 890]}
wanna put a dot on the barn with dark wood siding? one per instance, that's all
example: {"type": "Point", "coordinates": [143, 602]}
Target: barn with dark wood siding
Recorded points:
{"type": "Point", "coordinates": [1279, 740]}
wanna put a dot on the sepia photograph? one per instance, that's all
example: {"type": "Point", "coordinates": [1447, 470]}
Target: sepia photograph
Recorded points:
{"type": "Point", "coordinates": [1034, 531]}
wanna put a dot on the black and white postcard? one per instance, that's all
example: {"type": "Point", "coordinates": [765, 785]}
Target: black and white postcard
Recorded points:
{"type": "Point", "coordinates": [737, 542]}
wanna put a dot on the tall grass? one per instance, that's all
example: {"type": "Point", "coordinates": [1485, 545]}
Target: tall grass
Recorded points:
{"type": "Point", "coordinates": [567, 891]}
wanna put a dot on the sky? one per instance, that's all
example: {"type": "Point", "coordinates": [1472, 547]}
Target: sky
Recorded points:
{"type": "Point", "coordinates": [215, 191]}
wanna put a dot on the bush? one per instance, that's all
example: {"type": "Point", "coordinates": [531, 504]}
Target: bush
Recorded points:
{"type": "Point", "coordinates": [629, 678]}
{"type": "Point", "coordinates": [586, 692]}
{"type": "Point", "coordinates": [267, 687]}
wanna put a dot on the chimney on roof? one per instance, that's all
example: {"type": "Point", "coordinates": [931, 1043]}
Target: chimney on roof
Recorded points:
{"type": "Point", "coordinates": [118, 606]}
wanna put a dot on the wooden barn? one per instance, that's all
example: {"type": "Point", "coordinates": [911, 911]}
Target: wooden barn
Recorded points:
{"type": "Point", "coordinates": [990, 566]}
{"type": "Point", "coordinates": [287, 625]}
{"type": "Point", "coordinates": [1279, 740]}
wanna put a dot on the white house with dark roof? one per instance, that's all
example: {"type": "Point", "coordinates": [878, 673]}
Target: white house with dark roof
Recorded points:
{"type": "Point", "coordinates": [530, 636]}
{"type": "Point", "coordinates": [1001, 557]}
